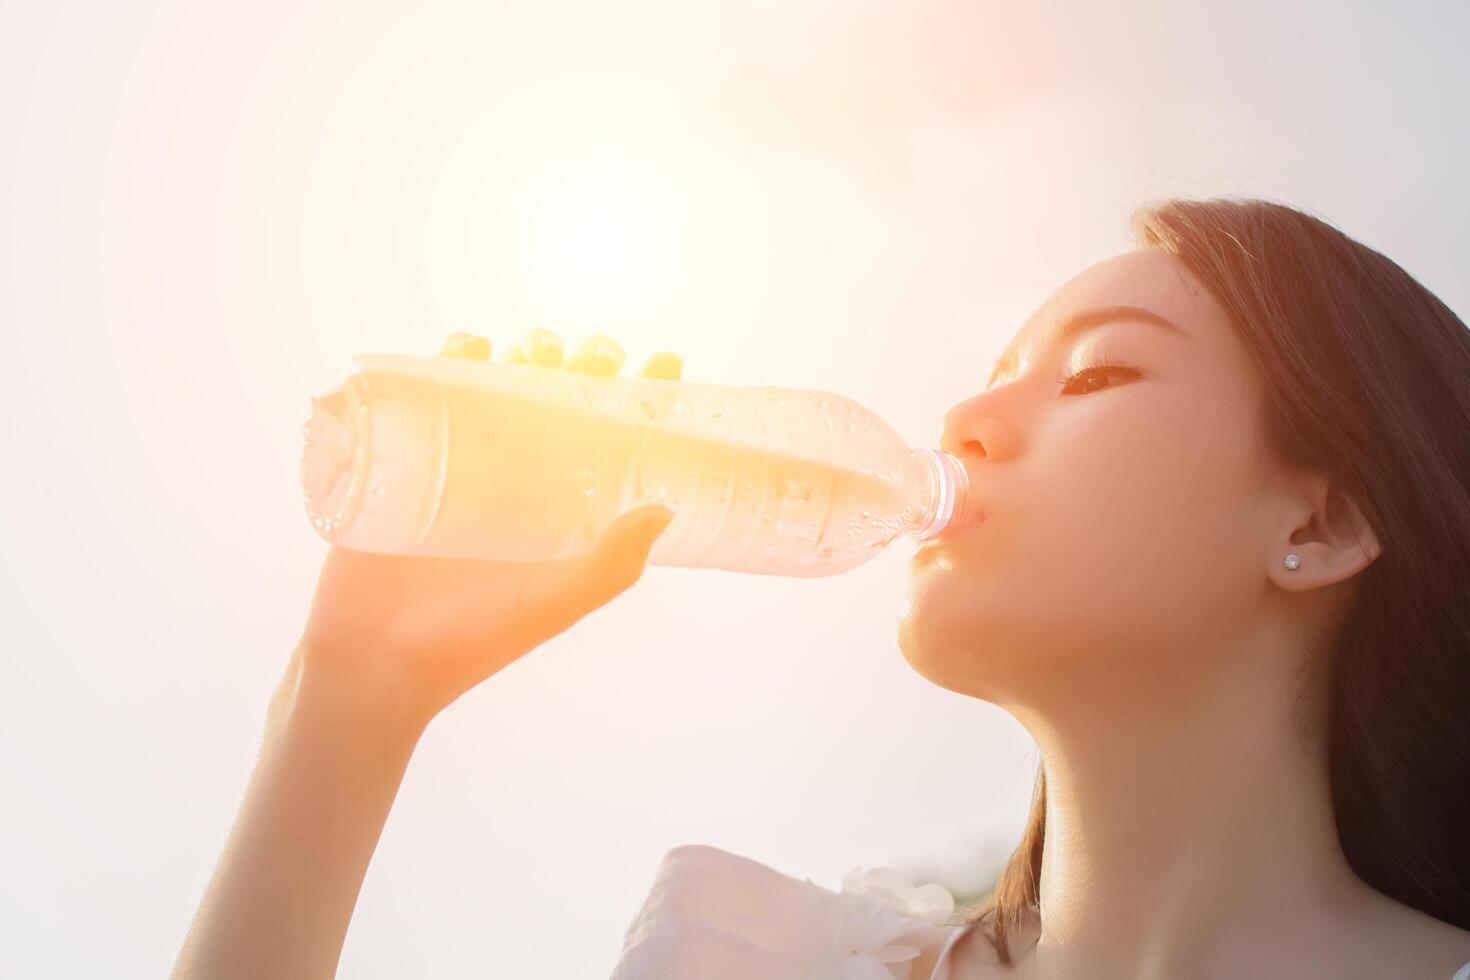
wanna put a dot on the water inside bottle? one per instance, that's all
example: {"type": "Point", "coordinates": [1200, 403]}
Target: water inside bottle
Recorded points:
{"type": "Point", "coordinates": [531, 473]}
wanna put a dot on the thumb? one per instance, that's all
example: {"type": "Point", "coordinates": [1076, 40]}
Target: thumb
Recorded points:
{"type": "Point", "coordinates": [622, 551]}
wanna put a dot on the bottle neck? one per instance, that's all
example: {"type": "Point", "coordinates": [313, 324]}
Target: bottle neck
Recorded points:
{"type": "Point", "coordinates": [943, 486]}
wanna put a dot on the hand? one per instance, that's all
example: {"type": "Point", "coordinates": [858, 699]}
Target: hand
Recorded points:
{"type": "Point", "coordinates": [404, 636]}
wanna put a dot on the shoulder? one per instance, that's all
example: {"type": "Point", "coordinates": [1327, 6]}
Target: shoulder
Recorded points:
{"type": "Point", "coordinates": [1410, 942]}
{"type": "Point", "coordinates": [1440, 948]}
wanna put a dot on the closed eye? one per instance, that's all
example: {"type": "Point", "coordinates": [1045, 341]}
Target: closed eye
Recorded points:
{"type": "Point", "coordinates": [1086, 381]}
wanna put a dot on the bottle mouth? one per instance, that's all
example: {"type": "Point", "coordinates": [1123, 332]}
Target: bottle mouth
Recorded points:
{"type": "Point", "coordinates": [946, 494]}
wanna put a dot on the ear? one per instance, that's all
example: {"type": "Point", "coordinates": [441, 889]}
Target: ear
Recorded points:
{"type": "Point", "coordinates": [1330, 537]}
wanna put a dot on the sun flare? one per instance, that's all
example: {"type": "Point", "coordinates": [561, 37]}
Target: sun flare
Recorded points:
{"type": "Point", "coordinates": [598, 242]}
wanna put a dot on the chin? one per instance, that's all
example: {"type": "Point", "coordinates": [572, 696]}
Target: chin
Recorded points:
{"type": "Point", "coordinates": [932, 635]}
{"type": "Point", "coordinates": [957, 640]}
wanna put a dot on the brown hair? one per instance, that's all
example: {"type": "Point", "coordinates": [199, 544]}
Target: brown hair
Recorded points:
{"type": "Point", "coordinates": [1366, 378]}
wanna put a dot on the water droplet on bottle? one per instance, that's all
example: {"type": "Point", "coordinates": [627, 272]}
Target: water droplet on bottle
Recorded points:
{"type": "Point", "coordinates": [794, 493]}
{"type": "Point", "coordinates": [867, 513]}
{"type": "Point", "coordinates": [588, 492]}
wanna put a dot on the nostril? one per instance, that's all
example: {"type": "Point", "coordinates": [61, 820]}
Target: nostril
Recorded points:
{"type": "Point", "coordinates": [974, 445]}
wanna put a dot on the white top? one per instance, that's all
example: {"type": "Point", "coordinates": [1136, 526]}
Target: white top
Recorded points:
{"type": "Point", "coordinates": [713, 915]}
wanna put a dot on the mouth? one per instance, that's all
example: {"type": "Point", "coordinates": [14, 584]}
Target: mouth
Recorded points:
{"type": "Point", "coordinates": [947, 543]}
{"type": "Point", "coordinates": [930, 552]}
{"type": "Point", "coordinates": [963, 527]}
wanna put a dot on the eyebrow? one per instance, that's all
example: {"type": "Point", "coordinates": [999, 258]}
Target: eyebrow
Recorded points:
{"type": "Point", "coordinates": [1086, 320]}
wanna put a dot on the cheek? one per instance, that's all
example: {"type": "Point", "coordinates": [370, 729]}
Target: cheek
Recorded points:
{"type": "Point", "coordinates": [1134, 517]}
{"type": "Point", "coordinates": [1116, 534]}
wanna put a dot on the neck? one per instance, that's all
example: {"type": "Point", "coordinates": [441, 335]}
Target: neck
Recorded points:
{"type": "Point", "coordinates": [1186, 823]}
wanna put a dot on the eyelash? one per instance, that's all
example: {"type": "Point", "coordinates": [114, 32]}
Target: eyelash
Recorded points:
{"type": "Point", "coordinates": [1104, 364]}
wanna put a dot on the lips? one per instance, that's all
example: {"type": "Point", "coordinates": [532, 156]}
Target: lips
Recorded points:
{"type": "Point", "coordinates": [961, 528]}
{"type": "Point", "coordinates": [931, 555]}
{"type": "Point", "coordinates": [971, 520]}
{"type": "Point", "coordinates": [933, 547]}
{"type": "Point", "coordinates": [948, 542]}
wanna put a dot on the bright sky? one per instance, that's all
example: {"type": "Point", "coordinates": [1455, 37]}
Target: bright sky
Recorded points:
{"type": "Point", "coordinates": [209, 207]}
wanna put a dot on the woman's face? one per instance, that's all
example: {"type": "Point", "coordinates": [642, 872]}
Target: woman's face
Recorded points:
{"type": "Point", "coordinates": [1125, 522]}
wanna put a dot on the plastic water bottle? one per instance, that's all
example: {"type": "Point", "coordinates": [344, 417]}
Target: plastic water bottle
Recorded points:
{"type": "Point", "coordinates": [461, 458]}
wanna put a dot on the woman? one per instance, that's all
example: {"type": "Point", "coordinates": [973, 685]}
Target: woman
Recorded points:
{"type": "Point", "coordinates": [1223, 580]}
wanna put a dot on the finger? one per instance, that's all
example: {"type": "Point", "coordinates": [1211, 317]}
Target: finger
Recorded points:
{"type": "Point", "coordinates": [665, 364]}
{"type": "Point", "coordinates": [541, 347]}
{"type": "Point", "coordinates": [620, 554]}
{"type": "Point", "coordinates": [599, 354]}
{"type": "Point", "coordinates": [553, 597]}
{"type": "Point", "coordinates": [466, 345]}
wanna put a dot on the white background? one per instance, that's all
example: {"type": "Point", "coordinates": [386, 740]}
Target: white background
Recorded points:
{"type": "Point", "coordinates": [207, 207]}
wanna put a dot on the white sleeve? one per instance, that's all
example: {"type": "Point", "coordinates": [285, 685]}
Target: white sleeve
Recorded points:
{"type": "Point", "coordinates": [713, 915]}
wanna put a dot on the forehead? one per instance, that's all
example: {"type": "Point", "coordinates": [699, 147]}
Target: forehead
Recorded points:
{"type": "Point", "coordinates": [1149, 278]}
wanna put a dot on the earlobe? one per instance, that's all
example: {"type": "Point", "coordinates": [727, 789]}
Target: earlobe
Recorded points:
{"type": "Point", "coordinates": [1334, 544]}
{"type": "Point", "coordinates": [1295, 571]}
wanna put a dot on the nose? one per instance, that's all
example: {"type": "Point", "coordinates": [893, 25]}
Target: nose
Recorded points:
{"type": "Point", "coordinates": [972, 432]}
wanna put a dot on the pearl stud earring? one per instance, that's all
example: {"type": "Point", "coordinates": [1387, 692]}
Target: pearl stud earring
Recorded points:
{"type": "Point", "coordinates": [1291, 562]}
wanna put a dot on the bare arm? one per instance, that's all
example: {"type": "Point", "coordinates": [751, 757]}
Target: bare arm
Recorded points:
{"type": "Point", "coordinates": [390, 642]}
{"type": "Point", "coordinates": [283, 893]}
